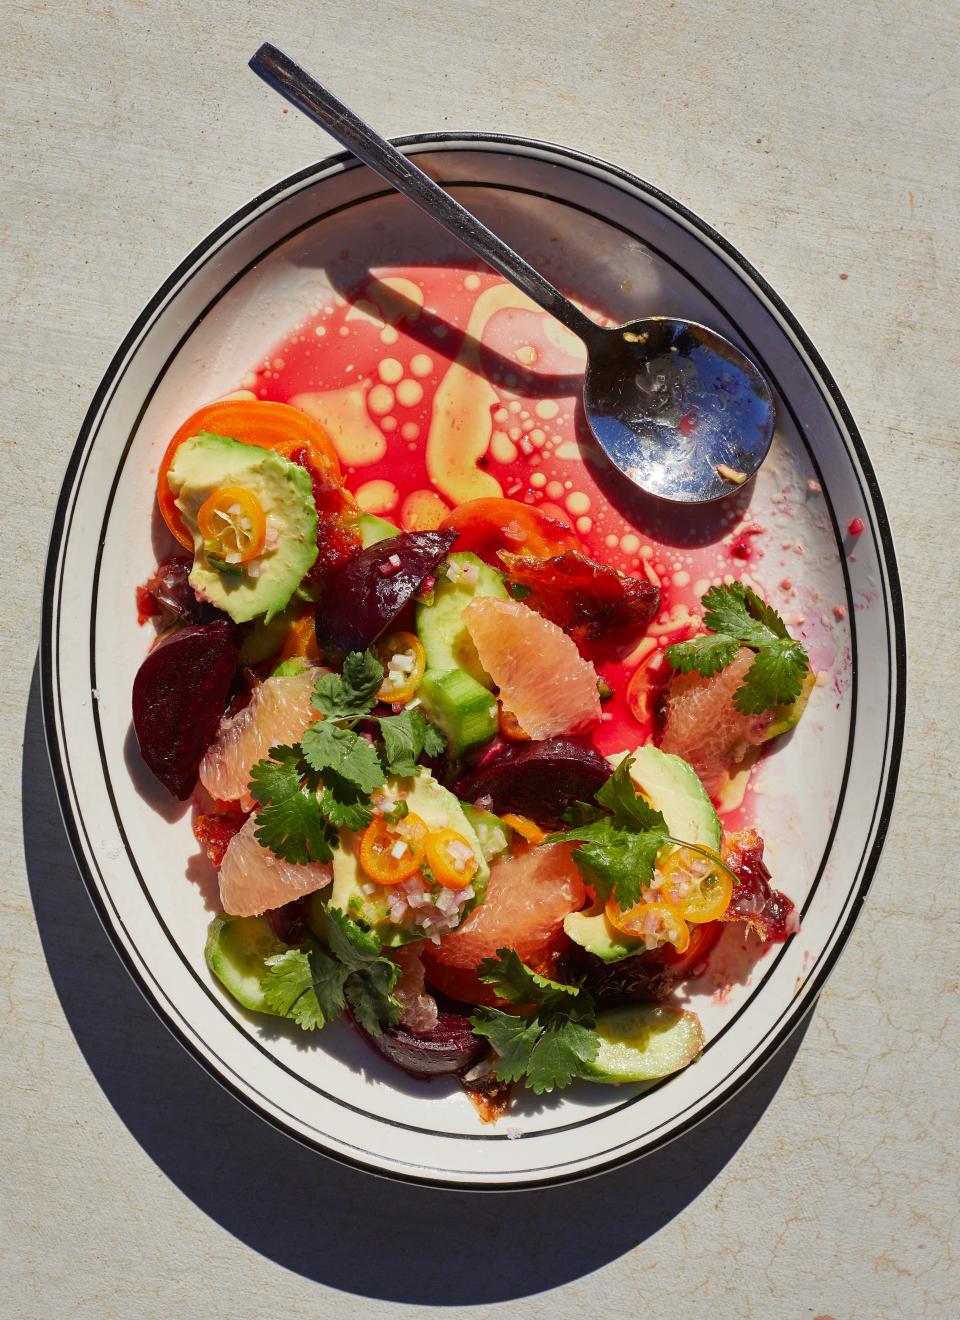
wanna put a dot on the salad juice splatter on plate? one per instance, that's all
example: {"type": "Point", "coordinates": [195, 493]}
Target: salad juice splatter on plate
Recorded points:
{"type": "Point", "coordinates": [457, 710]}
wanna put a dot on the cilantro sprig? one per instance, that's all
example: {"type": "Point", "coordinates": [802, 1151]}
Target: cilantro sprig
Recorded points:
{"type": "Point", "coordinates": [546, 1045]}
{"type": "Point", "coordinates": [620, 838]}
{"type": "Point", "coordinates": [310, 790]}
{"type": "Point", "coordinates": [313, 986]}
{"type": "Point", "coordinates": [737, 616]}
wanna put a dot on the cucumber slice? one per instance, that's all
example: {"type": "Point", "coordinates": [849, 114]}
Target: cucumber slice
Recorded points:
{"type": "Point", "coordinates": [373, 529]}
{"type": "Point", "coordinates": [236, 951]}
{"type": "Point", "coordinates": [461, 707]}
{"type": "Point", "coordinates": [641, 1042]}
{"type": "Point", "coordinates": [492, 835]}
{"type": "Point", "coordinates": [440, 625]}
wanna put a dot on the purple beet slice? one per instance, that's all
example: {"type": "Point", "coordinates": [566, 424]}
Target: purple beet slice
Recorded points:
{"type": "Point", "coordinates": [168, 598]}
{"type": "Point", "coordinates": [537, 779]}
{"type": "Point", "coordinates": [179, 694]}
{"type": "Point", "coordinates": [362, 597]}
{"type": "Point", "coordinates": [449, 1048]}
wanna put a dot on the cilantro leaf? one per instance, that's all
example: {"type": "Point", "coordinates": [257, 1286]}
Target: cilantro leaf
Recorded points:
{"type": "Point", "coordinates": [556, 1058]}
{"type": "Point", "coordinates": [349, 942]}
{"type": "Point", "coordinates": [514, 980]}
{"type": "Point", "coordinates": [617, 861]}
{"type": "Point", "coordinates": [630, 811]}
{"type": "Point", "coordinates": [369, 997]}
{"type": "Point", "coordinates": [343, 804]}
{"type": "Point", "coordinates": [328, 747]}
{"type": "Point", "coordinates": [434, 740]}
{"type": "Point", "coordinates": [305, 985]}
{"type": "Point", "coordinates": [512, 1037]}
{"type": "Point", "coordinates": [547, 1046]}
{"type": "Point", "coordinates": [774, 679]}
{"type": "Point", "coordinates": [278, 778]}
{"type": "Point", "coordinates": [328, 982]}
{"type": "Point", "coordinates": [352, 693]}
{"type": "Point", "coordinates": [405, 737]}
{"type": "Point", "coordinates": [708, 654]}
{"type": "Point", "coordinates": [737, 616]}
{"type": "Point", "coordinates": [296, 830]}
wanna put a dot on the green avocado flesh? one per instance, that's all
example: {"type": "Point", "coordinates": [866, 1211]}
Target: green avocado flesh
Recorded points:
{"type": "Point", "coordinates": [438, 809]}
{"type": "Point", "coordinates": [440, 626]}
{"type": "Point", "coordinates": [672, 786]}
{"type": "Point", "coordinates": [641, 1042]}
{"type": "Point", "coordinates": [236, 950]}
{"type": "Point", "coordinates": [373, 529]}
{"type": "Point", "coordinates": [206, 463]}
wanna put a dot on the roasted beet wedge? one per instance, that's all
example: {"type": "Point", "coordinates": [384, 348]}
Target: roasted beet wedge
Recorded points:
{"type": "Point", "coordinates": [179, 694]}
{"type": "Point", "coordinates": [449, 1048]}
{"type": "Point", "coordinates": [538, 779]}
{"type": "Point", "coordinates": [168, 598]}
{"type": "Point", "coordinates": [590, 601]}
{"type": "Point", "coordinates": [363, 596]}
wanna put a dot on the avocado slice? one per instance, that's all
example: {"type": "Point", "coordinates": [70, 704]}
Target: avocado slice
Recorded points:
{"type": "Point", "coordinates": [789, 716]}
{"type": "Point", "coordinates": [373, 529]}
{"type": "Point", "coordinates": [438, 809]}
{"type": "Point", "coordinates": [672, 786]}
{"type": "Point", "coordinates": [494, 836]}
{"type": "Point", "coordinates": [284, 490]}
{"type": "Point", "coordinates": [440, 627]}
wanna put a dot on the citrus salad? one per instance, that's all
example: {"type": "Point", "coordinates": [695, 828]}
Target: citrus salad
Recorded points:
{"type": "Point", "coordinates": [397, 743]}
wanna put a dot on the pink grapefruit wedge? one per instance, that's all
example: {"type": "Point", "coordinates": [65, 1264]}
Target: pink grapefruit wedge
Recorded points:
{"type": "Point", "coordinates": [544, 681]}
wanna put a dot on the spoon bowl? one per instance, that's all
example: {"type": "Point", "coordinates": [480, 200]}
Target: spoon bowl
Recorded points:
{"type": "Point", "coordinates": [679, 410]}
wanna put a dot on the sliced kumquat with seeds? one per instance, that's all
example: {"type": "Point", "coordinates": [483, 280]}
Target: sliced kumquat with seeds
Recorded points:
{"type": "Point", "coordinates": [391, 852]}
{"type": "Point", "coordinates": [404, 664]}
{"type": "Point", "coordinates": [233, 524]}
{"type": "Point", "coordinates": [654, 923]}
{"type": "Point", "coordinates": [450, 858]}
{"type": "Point", "coordinates": [696, 883]}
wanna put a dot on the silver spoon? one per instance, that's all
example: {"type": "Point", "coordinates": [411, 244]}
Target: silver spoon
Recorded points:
{"type": "Point", "coordinates": [679, 410]}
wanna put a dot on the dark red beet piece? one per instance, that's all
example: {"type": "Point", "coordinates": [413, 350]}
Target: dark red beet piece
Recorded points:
{"type": "Point", "coordinates": [771, 914]}
{"type": "Point", "coordinates": [168, 598]}
{"type": "Point", "coordinates": [449, 1048]}
{"type": "Point", "coordinates": [361, 598]}
{"type": "Point", "coordinates": [538, 779]}
{"type": "Point", "coordinates": [179, 694]}
{"type": "Point", "coordinates": [289, 923]}
{"type": "Point", "coordinates": [590, 601]}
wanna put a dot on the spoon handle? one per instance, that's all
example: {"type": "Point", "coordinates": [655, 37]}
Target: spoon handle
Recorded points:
{"type": "Point", "coordinates": [304, 92]}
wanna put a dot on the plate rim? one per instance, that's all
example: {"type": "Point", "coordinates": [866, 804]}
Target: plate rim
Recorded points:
{"type": "Point", "coordinates": [478, 140]}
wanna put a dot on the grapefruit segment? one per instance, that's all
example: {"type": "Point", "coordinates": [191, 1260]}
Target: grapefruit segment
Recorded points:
{"type": "Point", "coordinates": [253, 879]}
{"type": "Point", "coordinates": [543, 679]}
{"type": "Point", "coordinates": [528, 896]}
{"type": "Point", "coordinates": [704, 726]}
{"type": "Point", "coordinates": [278, 712]}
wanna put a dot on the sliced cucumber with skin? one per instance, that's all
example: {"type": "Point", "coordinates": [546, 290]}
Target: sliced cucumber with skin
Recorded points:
{"type": "Point", "coordinates": [642, 1042]}
{"type": "Point", "coordinates": [492, 835]}
{"type": "Point", "coordinates": [373, 529]}
{"type": "Point", "coordinates": [236, 953]}
{"type": "Point", "coordinates": [440, 626]}
{"type": "Point", "coordinates": [461, 708]}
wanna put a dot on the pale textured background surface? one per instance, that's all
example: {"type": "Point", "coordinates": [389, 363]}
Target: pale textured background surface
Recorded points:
{"type": "Point", "coordinates": [822, 140]}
